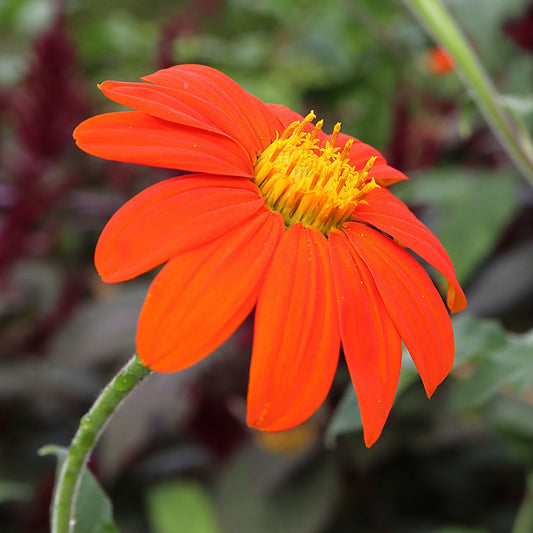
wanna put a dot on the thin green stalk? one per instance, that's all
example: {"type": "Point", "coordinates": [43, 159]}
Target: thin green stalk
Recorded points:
{"type": "Point", "coordinates": [440, 24]}
{"type": "Point", "coordinates": [63, 517]}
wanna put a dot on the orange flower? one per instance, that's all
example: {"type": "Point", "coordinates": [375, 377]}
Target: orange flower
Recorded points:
{"type": "Point", "coordinates": [440, 61]}
{"type": "Point", "coordinates": [276, 215]}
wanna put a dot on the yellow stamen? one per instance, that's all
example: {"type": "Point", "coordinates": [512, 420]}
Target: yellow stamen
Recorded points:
{"type": "Point", "coordinates": [309, 183]}
{"type": "Point", "coordinates": [335, 134]}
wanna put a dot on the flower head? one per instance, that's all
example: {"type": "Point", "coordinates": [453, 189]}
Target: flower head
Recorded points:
{"type": "Point", "coordinates": [439, 61]}
{"type": "Point", "coordinates": [277, 215]}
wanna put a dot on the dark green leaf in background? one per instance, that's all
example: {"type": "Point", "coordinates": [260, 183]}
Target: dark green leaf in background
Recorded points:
{"type": "Point", "coordinates": [500, 360]}
{"type": "Point", "coordinates": [94, 512]}
{"type": "Point", "coordinates": [454, 203]}
{"type": "Point", "coordinates": [261, 492]}
{"type": "Point", "coordinates": [474, 338]}
{"type": "Point", "coordinates": [180, 506]}
{"type": "Point", "coordinates": [505, 283]}
{"type": "Point", "coordinates": [13, 491]}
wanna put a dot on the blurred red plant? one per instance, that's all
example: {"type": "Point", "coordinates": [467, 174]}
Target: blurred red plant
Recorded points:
{"type": "Point", "coordinates": [39, 115]}
{"type": "Point", "coordinates": [520, 30]}
{"type": "Point", "coordinates": [41, 112]}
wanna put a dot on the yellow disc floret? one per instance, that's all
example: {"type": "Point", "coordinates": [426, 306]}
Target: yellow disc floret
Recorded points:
{"type": "Point", "coordinates": [311, 184]}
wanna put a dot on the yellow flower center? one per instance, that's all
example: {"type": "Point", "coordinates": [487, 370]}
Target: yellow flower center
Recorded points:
{"type": "Point", "coordinates": [310, 184]}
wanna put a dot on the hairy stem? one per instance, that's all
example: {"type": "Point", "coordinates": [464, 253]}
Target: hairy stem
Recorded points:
{"type": "Point", "coordinates": [63, 517]}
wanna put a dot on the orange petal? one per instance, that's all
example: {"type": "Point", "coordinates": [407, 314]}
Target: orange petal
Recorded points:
{"type": "Point", "coordinates": [139, 138]}
{"type": "Point", "coordinates": [386, 175]}
{"type": "Point", "coordinates": [169, 218]}
{"type": "Point", "coordinates": [179, 106]}
{"type": "Point", "coordinates": [200, 297]}
{"type": "Point", "coordinates": [412, 301]}
{"type": "Point", "coordinates": [296, 340]}
{"type": "Point", "coordinates": [371, 343]}
{"type": "Point", "coordinates": [211, 85]}
{"type": "Point", "coordinates": [384, 211]}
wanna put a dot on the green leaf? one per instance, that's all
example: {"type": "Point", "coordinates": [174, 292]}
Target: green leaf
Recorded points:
{"type": "Point", "coordinates": [455, 204]}
{"type": "Point", "coordinates": [489, 296]}
{"type": "Point", "coordinates": [511, 417]}
{"type": "Point", "coordinates": [501, 359]}
{"type": "Point", "coordinates": [13, 491]}
{"type": "Point", "coordinates": [345, 419]}
{"type": "Point", "coordinates": [260, 492]}
{"type": "Point", "coordinates": [181, 506]}
{"type": "Point", "coordinates": [522, 105]}
{"type": "Point", "coordinates": [474, 338]}
{"type": "Point", "coordinates": [94, 511]}
{"type": "Point", "coordinates": [476, 390]}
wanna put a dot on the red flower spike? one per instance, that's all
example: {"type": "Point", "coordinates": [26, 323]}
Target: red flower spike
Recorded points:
{"type": "Point", "coordinates": [276, 214]}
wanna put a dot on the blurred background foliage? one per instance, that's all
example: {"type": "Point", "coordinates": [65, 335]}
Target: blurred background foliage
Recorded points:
{"type": "Point", "coordinates": [178, 456]}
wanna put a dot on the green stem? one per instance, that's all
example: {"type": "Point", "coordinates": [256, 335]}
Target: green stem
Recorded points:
{"type": "Point", "coordinates": [91, 426]}
{"type": "Point", "coordinates": [440, 24]}
{"type": "Point", "coordinates": [524, 519]}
